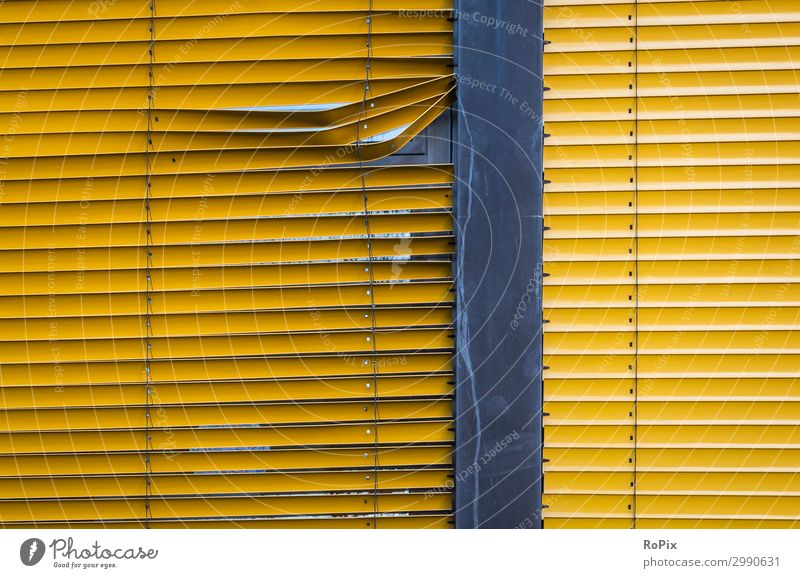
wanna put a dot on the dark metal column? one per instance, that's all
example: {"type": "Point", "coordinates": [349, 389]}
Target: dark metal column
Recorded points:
{"type": "Point", "coordinates": [498, 156]}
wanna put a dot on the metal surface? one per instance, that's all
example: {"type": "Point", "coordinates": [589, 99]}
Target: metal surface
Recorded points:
{"type": "Point", "coordinates": [299, 183]}
{"type": "Point", "coordinates": [228, 392]}
{"type": "Point", "coordinates": [357, 457]}
{"type": "Point", "coordinates": [219, 507]}
{"type": "Point", "coordinates": [498, 211]}
{"type": "Point", "coordinates": [199, 330]}
{"type": "Point", "coordinates": [671, 348]}
{"type": "Point", "coordinates": [209, 485]}
{"type": "Point", "coordinates": [407, 521]}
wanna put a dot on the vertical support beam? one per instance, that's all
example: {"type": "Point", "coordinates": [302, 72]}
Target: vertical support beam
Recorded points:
{"type": "Point", "coordinates": [498, 156]}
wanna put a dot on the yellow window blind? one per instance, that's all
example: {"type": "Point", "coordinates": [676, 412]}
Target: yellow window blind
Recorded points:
{"type": "Point", "coordinates": [218, 312]}
{"type": "Point", "coordinates": [672, 201]}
